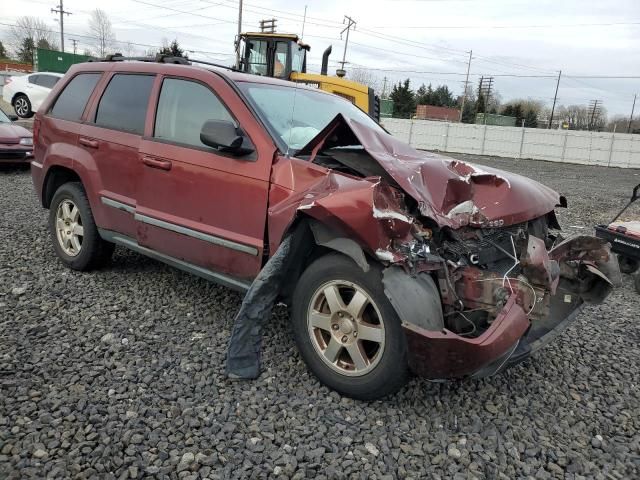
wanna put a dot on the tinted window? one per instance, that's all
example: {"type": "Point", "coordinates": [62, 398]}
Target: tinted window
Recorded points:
{"type": "Point", "coordinates": [183, 108]}
{"type": "Point", "coordinates": [47, 81]}
{"type": "Point", "coordinates": [34, 79]}
{"type": "Point", "coordinates": [71, 102]}
{"type": "Point", "coordinates": [123, 105]}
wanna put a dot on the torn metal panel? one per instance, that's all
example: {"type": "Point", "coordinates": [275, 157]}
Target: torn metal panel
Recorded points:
{"type": "Point", "coordinates": [438, 183]}
{"type": "Point", "coordinates": [369, 212]}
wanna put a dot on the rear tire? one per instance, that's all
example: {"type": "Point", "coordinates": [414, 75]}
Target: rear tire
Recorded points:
{"type": "Point", "coordinates": [22, 106]}
{"type": "Point", "coordinates": [347, 331]}
{"type": "Point", "coordinates": [628, 264]}
{"type": "Point", "coordinates": [73, 230]}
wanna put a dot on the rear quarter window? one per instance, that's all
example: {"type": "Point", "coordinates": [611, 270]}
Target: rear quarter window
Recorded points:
{"type": "Point", "coordinates": [123, 105]}
{"type": "Point", "coordinates": [71, 102]}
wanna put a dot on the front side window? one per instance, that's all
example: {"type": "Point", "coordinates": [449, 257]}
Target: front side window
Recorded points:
{"type": "Point", "coordinates": [183, 108]}
{"type": "Point", "coordinates": [73, 99]}
{"type": "Point", "coordinates": [123, 105]}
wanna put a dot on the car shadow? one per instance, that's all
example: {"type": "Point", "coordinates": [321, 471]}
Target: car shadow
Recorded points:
{"type": "Point", "coordinates": [13, 168]}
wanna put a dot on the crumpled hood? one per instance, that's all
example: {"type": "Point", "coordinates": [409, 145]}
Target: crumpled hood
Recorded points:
{"type": "Point", "coordinates": [11, 133]}
{"type": "Point", "coordinates": [452, 192]}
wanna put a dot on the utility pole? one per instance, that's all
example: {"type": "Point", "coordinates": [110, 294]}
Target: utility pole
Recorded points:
{"type": "Point", "coordinates": [384, 88]}
{"type": "Point", "coordinates": [555, 97]}
{"type": "Point", "coordinates": [60, 9]}
{"type": "Point", "coordinates": [239, 33]}
{"type": "Point", "coordinates": [631, 116]}
{"type": "Point", "coordinates": [466, 82]}
{"type": "Point", "coordinates": [484, 89]}
{"type": "Point", "coordinates": [351, 22]}
{"type": "Point", "coordinates": [594, 106]}
{"type": "Point", "coordinates": [75, 44]}
{"type": "Point", "coordinates": [304, 20]}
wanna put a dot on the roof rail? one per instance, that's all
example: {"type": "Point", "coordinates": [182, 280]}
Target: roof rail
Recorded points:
{"type": "Point", "coordinates": [159, 58]}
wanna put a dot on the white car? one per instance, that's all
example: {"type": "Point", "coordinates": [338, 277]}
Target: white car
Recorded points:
{"type": "Point", "coordinates": [27, 92]}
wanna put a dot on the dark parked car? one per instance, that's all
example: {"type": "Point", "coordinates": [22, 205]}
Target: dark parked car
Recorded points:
{"type": "Point", "coordinates": [411, 261]}
{"type": "Point", "coordinates": [16, 142]}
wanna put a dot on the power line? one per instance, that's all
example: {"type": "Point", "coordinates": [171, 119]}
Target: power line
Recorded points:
{"type": "Point", "coordinates": [490, 27]}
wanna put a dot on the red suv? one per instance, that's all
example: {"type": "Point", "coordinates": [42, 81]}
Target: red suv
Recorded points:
{"type": "Point", "coordinates": [396, 260]}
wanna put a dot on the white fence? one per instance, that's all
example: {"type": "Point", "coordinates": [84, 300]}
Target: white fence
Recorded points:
{"type": "Point", "coordinates": [590, 148]}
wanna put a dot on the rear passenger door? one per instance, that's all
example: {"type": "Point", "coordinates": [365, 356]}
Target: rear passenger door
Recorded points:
{"type": "Point", "coordinates": [195, 203]}
{"type": "Point", "coordinates": [112, 137]}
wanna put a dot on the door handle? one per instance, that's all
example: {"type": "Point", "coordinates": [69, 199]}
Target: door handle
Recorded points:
{"type": "Point", "coordinates": [88, 142]}
{"type": "Point", "coordinates": [156, 163]}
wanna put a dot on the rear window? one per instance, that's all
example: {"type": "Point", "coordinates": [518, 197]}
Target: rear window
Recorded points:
{"type": "Point", "coordinates": [71, 102]}
{"type": "Point", "coordinates": [47, 81]}
{"type": "Point", "coordinates": [123, 105]}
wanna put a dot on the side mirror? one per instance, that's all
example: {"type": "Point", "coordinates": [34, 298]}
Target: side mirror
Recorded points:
{"type": "Point", "coordinates": [13, 118]}
{"type": "Point", "coordinates": [225, 136]}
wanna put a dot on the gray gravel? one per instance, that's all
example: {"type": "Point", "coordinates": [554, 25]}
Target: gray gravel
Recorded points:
{"type": "Point", "coordinates": [119, 374]}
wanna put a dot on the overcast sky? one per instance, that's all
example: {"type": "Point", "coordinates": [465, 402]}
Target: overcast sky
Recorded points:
{"type": "Point", "coordinates": [401, 38]}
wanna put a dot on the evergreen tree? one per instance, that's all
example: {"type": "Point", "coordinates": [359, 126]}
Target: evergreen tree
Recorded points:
{"type": "Point", "coordinates": [404, 100]}
{"type": "Point", "coordinates": [172, 49]}
{"type": "Point", "coordinates": [26, 49]}
{"type": "Point", "coordinates": [3, 51]}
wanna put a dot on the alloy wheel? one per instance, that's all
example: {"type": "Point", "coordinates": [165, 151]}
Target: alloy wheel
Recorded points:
{"type": "Point", "coordinates": [22, 107]}
{"type": "Point", "coordinates": [346, 328]}
{"type": "Point", "coordinates": [69, 230]}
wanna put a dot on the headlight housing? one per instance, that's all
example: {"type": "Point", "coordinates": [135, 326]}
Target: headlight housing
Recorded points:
{"type": "Point", "coordinates": [28, 141]}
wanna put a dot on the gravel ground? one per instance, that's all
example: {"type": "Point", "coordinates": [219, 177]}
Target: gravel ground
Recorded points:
{"type": "Point", "coordinates": [119, 374]}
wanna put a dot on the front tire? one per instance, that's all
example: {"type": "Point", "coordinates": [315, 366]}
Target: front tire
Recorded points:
{"type": "Point", "coordinates": [22, 106]}
{"type": "Point", "coordinates": [73, 230]}
{"type": "Point", "coordinates": [347, 331]}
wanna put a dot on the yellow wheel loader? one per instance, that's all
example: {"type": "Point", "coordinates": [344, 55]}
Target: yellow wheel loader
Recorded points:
{"type": "Point", "coordinates": [284, 55]}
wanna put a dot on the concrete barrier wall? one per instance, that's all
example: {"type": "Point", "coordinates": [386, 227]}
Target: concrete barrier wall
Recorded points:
{"type": "Point", "coordinates": [589, 148]}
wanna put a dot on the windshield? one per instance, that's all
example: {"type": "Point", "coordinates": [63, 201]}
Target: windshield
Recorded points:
{"type": "Point", "coordinates": [3, 117]}
{"type": "Point", "coordinates": [297, 115]}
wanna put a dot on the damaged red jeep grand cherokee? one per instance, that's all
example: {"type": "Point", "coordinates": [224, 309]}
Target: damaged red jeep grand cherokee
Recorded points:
{"type": "Point", "coordinates": [392, 260]}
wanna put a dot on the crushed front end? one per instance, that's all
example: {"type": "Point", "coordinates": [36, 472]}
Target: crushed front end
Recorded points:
{"type": "Point", "coordinates": [475, 265]}
{"type": "Point", "coordinates": [505, 292]}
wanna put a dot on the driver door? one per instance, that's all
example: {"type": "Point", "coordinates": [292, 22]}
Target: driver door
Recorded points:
{"type": "Point", "coordinates": [196, 204]}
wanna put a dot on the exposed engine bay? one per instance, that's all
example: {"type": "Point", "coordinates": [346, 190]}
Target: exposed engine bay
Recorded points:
{"type": "Point", "coordinates": [478, 269]}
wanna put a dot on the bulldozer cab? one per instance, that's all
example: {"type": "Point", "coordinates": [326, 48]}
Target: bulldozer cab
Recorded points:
{"type": "Point", "coordinates": [272, 54]}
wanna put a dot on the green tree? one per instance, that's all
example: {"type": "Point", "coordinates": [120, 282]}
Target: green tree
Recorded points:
{"type": "Point", "coordinates": [26, 49]}
{"type": "Point", "coordinates": [442, 97]}
{"type": "Point", "coordinates": [404, 100]}
{"type": "Point", "coordinates": [3, 51]}
{"type": "Point", "coordinates": [172, 49]}
{"type": "Point", "coordinates": [422, 95]}
{"type": "Point", "coordinates": [531, 119]}
{"type": "Point", "coordinates": [43, 43]}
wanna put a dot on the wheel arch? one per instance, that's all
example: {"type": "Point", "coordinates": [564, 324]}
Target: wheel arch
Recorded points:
{"type": "Point", "coordinates": [321, 239]}
{"type": "Point", "coordinates": [56, 176]}
{"type": "Point", "coordinates": [16, 95]}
